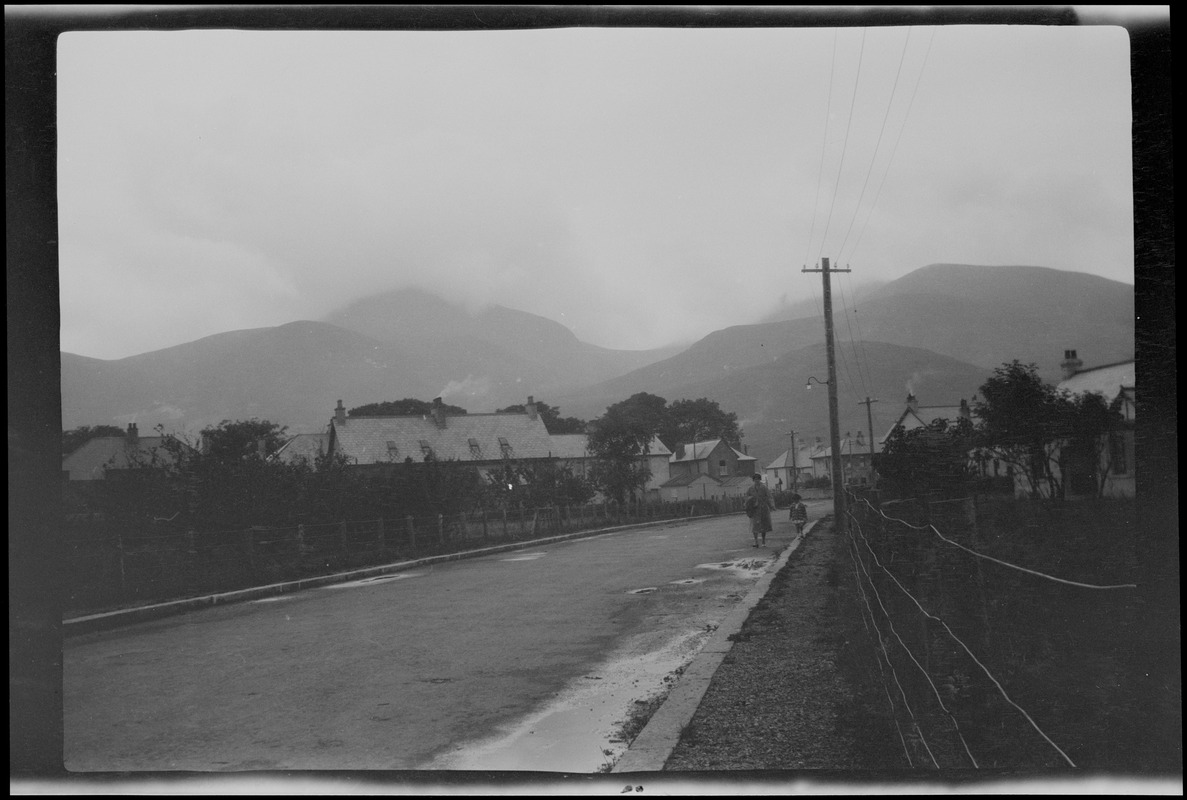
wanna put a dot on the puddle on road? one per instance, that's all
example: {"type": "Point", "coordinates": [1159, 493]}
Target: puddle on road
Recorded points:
{"type": "Point", "coordinates": [749, 567]}
{"type": "Point", "coordinates": [574, 732]}
{"type": "Point", "coordinates": [373, 581]}
{"type": "Point", "coordinates": [524, 557]}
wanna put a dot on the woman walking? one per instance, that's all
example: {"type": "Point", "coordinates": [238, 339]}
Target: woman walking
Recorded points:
{"type": "Point", "coordinates": [759, 506]}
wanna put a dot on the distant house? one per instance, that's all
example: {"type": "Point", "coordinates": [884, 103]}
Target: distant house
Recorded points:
{"type": "Point", "coordinates": [917, 416]}
{"type": "Point", "coordinates": [703, 470]}
{"type": "Point", "coordinates": [105, 454]}
{"type": "Point", "coordinates": [1112, 462]}
{"type": "Point", "coordinates": [855, 460]}
{"type": "Point", "coordinates": [787, 471]}
{"type": "Point", "coordinates": [572, 450]}
{"type": "Point", "coordinates": [484, 441]}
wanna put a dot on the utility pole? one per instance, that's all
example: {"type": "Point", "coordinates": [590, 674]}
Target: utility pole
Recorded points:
{"type": "Point", "coordinates": [870, 419]}
{"type": "Point", "coordinates": [834, 425]}
{"type": "Point", "coordinates": [794, 469]}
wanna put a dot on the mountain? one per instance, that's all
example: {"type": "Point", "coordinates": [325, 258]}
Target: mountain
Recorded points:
{"type": "Point", "coordinates": [495, 340]}
{"type": "Point", "coordinates": [938, 331]}
{"type": "Point", "coordinates": [403, 344]}
{"type": "Point", "coordinates": [941, 330]}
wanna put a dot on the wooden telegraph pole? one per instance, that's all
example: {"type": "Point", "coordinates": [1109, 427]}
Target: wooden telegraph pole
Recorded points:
{"type": "Point", "coordinates": [870, 420]}
{"type": "Point", "coordinates": [794, 466]}
{"type": "Point", "coordinates": [834, 426]}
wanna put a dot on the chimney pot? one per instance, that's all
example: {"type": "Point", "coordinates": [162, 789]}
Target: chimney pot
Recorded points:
{"type": "Point", "coordinates": [1071, 364]}
{"type": "Point", "coordinates": [531, 408]}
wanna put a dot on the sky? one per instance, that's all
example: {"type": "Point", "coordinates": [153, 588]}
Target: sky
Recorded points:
{"type": "Point", "coordinates": [642, 186]}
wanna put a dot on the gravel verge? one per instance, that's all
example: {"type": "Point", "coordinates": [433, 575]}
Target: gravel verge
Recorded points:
{"type": "Point", "coordinates": [794, 692]}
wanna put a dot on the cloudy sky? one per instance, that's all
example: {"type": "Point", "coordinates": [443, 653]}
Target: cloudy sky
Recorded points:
{"type": "Point", "coordinates": [641, 186]}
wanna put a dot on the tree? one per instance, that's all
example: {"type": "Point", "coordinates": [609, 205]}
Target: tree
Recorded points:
{"type": "Point", "coordinates": [242, 439]}
{"type": "Point", "coordinates": [620, 440]}
{"type": "Point", "coordinates": [408, 407]}
{"type": "Point", "coordinates": [553, 421]}
{"type": "Point", "coordinates": [696, 420]}
{"type": "Point", "coordinates": [77, 437]}
{"type": "Point", "coordinates": [1040, 430]}
{"type": "Point", "coordinates": [927, 460]}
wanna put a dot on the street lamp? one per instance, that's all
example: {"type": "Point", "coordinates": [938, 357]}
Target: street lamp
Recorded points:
{"type": "Point", "coordinates": [818, 381]}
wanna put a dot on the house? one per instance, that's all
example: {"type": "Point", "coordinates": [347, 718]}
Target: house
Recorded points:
{"type": "Point", "coordinates": [789, 469]}
{"type": "Point", "coordinates": [484, 441]}
{"type": "Point", "coordinates": [95, 459]}
{"type": "Point", "coordinates": [855, 460]}
{"type": "Point", "coordinates": [572, 451]}
{"type": "Point", "coordinates": [303, 447]}
{"type": "Point", "coordinates": [917, 416]}
{"type": "Point", "coordinates": [1113, 460]}
{"type": "Point", "coordinates": [703, 470]}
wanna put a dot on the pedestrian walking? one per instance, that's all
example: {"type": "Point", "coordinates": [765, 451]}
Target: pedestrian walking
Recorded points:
{"type": "Point", "coordinates": [759, 506]}
{"type": "Point", "coordinates": [799, 515]}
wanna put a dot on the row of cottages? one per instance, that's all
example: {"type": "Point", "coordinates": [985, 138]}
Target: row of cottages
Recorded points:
{"type": "Point", "coordinates": [484, 441]}
{"type": "Point", "coordinates": [815, 460]}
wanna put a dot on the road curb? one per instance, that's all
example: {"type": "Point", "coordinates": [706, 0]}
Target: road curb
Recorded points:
{"type": "Point", "coordinates": [653, 746]}
{"type": "Point", "coordinates": [107, 620]}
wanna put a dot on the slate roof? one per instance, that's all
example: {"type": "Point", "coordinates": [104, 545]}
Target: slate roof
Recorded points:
{"type": "Point", "coordinates": [703, 450]}
{"type": "Point", "coordinates": [473, 438]}
{"type": "Point", "coordinates": [1107, 380]}
{"type": "Point", "coordinates": [689, 479]}
{"type": "Point", "coordinates": [848, 447]}
{"type": "Point", "coordinates": [87, 462]}
{"type": "Point", "coordinates": [303, 446]}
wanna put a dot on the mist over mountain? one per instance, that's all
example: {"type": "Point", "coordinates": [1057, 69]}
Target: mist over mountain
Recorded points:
{"type": "Point", "coordinates": [938, 331]}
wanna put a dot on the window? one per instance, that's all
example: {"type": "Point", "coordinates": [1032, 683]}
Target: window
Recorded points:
{"type": "Point", "coordinates": [475, 450]}
{"type": "Point", "coordinates": [426, 449]}
{"type": "Point", "coordinates": [505, 446]}
{"type": "Point", "coordinates": [393, 452]}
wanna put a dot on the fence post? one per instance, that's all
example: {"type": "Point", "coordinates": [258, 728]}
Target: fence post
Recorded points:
{"type": "Point", "coordinates": [382, 538]}
{"type": "Point", "coordinates": [485, 533]}
{"type": "Point", "coordinates": [465, 526]}
{"type": "Point", "coordinates": [522, 520]}
{"type": "Point", "coordinates": [441, 530]}
{"type": "Point", "coordinates": [560, 523]}
{"type": "Point", "coordinates": [251, 551]}
{"type": "Point", "coordinates": [504, 522]}
{"type": "Point", "coordinates": [411, 532]}
{"type": "Point", "coordinates": [119, 546]}
{"type": "Point", "coordinates": [300, 539]}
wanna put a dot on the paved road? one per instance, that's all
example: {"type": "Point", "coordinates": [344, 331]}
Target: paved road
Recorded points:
{"type": "Point", "coordinates": [395, 672]}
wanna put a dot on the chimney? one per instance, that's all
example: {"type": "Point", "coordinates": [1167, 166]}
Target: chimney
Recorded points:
{"type": "Point", "coordinates": [133, 434]}
{"type": "Point", "coordinates": [912, 403]}
{"type": "Point", "coordinates": [438, 413]}
{"type": "Point", "coordinates": [1071, 365]}
{"type": "Point", "coordinates": [531, 408]}
{"type": "Point", "coordinates": [340, 414]}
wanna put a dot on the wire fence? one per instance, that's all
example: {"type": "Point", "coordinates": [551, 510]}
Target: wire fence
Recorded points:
{"type": "Point", "coordinates": [116, 563]}
{"type": "Point", "coordinates": [996, 648]}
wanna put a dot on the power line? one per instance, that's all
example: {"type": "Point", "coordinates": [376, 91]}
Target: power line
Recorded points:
{"type": "Point", "coordinates": [844, 144]}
